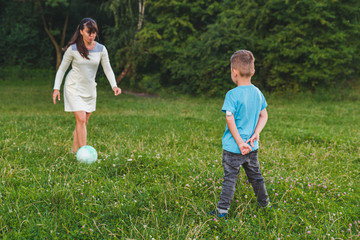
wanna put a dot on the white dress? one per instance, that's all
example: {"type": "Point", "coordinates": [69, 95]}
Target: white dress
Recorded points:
{"type": "Point", "coordinates": [80, 85]}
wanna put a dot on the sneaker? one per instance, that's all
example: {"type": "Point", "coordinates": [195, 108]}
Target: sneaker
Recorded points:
{"type": "Point", "coordinates": [217, 214]}
{"type": "Point", "coordinates": [267, 206]}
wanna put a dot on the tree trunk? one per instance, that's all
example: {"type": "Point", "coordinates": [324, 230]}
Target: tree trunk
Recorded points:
{"type": "Point", "coordinates": [141, 14]}
{"type": "Point", "coordinates": [123, 73]}
{"type": "Point", "coordinates": [47, 30]}
{"type": "Point", "coordinates": [139, 25]}
{"type": "Point", "coordinates": [63, 34]}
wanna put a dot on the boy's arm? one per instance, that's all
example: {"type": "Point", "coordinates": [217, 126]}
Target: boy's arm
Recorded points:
{"type": "Point", "coordinates": [263, 117]}
{"type": "Point", "coordinates": [244, 148]}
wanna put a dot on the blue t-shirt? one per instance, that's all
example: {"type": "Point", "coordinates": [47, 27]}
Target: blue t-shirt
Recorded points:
{"type": "Point", "coordinates": [246, 103]}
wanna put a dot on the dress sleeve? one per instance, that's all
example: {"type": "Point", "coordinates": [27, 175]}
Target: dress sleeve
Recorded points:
{"type": "Point", "coordinates": [105, 62]}
{"type": "Point", "coordinates": [65, 63]}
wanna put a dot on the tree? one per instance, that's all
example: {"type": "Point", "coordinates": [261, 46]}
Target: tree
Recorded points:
{"type": "Point", "coordinates": [34, 31]}
{"type": "Point", "coordinates": [185, 45]}
{"type": "Point", "coordinates": [23, 41]}
{"type": "Point", "coordinates": [298, 45]}
{"type": "Point", "coordinates": [163, 43]}
{"type": "Point", "coordinates": [128, 17]}
{"type": "Point", "coordinates": [49, 26]}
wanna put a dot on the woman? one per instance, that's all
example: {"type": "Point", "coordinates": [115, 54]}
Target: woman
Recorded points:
{"type": "Point", "coordinates": [84, 54]}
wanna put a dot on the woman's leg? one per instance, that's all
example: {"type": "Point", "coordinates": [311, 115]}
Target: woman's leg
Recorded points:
{"type": "Point", "coordinates": [75, 142]}
{"type": "Point", "coordinates": [80, 133]}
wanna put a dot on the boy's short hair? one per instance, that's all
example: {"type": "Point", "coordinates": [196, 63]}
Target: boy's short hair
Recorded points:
{"type": "Point", "coordinates": [243, 61]}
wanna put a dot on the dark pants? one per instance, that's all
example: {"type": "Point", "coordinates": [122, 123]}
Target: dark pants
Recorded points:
{"type": "Point", "coordinates": [232, 163]}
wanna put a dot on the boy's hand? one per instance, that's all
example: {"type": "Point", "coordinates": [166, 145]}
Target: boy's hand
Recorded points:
{"type": "Point", "coordinates": [253, 138]}
{"type": "Point", "coordinates": [244, 148]}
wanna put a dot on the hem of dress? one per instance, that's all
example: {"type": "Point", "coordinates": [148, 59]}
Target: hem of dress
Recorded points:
{"type": "Point", "coordinates": [80, 111]}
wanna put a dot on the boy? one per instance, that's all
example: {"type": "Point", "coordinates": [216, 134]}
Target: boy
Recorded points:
{"type": "Point", "coordinates": [246, 116]}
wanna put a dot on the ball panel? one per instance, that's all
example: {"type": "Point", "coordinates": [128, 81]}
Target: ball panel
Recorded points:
{"type": "Point", "coordinates": [86, 154]}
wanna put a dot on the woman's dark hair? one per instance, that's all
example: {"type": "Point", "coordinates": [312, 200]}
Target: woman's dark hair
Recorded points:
{"type": "Point", "coordinates": [78, 39]}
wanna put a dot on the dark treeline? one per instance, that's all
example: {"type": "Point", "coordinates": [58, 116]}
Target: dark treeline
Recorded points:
{"type": "Point", "coordinates": [185, 45]}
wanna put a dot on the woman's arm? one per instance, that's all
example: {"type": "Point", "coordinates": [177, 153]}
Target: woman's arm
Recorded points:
{"type": "Point", "coordinates": [105, 62]}
{"type": "Point", "coordinates": [65, 63]}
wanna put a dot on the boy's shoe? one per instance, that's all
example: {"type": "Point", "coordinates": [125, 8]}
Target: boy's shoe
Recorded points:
{"type": "Point", "coordinates": [267, 207]}
{"type": "Point", "coordinates": [217, 214]}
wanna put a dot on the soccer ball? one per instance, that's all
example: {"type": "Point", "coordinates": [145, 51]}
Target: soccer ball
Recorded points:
{"type": "Point", "coordinates": [86, 154]}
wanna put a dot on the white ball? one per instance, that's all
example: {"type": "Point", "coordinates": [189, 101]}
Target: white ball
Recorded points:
{"type": "Point", "coordinates": [86, 154]}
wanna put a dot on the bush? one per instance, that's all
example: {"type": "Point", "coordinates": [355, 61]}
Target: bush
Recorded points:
{"type": "Point", "coordinates": [298, 45]}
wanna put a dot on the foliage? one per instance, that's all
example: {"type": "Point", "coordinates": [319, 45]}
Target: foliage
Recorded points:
{"type": "Point", "coordinates": [185, 46]}
{"type": "Point", "coordinates": [120, 38]}
{"type": "Point", "coordinates": [311, 43]}
{"type": "Point", "coordinates": [55, 3]}
{"type": "Point", "coordinates": [298, 44]}
{"type": "Point", "coordinates": [159, 169]}
{"type": "Point", "coordinates": [168, 40]}
{"type": "Point", "coordinates": [23, 42]}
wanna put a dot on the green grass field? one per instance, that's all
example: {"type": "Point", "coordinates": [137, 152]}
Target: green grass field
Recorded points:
{"type": "Point", "coordinates": [159, 169]}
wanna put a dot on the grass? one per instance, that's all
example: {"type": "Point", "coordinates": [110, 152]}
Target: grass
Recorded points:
{"type": "Point", "coordinates": [159, 169]}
